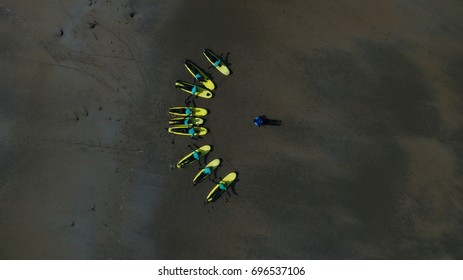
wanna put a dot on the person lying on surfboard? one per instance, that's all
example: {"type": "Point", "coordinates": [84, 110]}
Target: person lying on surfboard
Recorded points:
{"type": "Point", "coordinates": [187, 120]}
{"type": "Point", "coordinates": [191, 131]}
{"type": "Point", "coordinates": [196, 155]}
{"type": "Point", "coordinates": [198, 77]}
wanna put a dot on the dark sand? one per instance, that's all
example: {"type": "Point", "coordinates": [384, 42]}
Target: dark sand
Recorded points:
{"type": "Point", "coordinates": [368, 163]}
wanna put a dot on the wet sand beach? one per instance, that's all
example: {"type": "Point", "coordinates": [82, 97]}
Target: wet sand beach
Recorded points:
{"type": "Point", "coordinates": [367, 163]}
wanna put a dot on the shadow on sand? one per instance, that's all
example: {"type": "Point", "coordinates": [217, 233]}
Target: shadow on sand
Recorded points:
{"type": "Point", "coordinates": [267, 121]}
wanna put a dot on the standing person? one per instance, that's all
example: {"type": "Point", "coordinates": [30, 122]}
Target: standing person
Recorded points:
{"type": "Point", "coordinates": [262, 120]}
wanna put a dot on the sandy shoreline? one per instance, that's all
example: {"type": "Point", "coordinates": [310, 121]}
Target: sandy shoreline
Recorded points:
{"type": "Point", "coordinates": [367, 163]}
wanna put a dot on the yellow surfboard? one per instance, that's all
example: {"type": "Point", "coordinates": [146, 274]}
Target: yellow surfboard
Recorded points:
{"type": "Point", "coordinates": [194, 89]}
{"type": "Point", "coordinates": [182, 111]}
{"type": "Point", "coordinates": [206, 171]}
{"type": "Point", "coordinates": [188, 159]}
{"type": "Point", "coordinates": [186, 120]}
{"type": "Point", "coordinates": [216, 62]}
{"type": "Point", "coordinates": [184, 130]}
{"type": "Point", "coordinates": [199, 74]}
{"type": "Point", "coordinates": [215, 193]}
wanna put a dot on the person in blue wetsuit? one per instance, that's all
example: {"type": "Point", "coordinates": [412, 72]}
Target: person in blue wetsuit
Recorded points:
{"type": "Point", "coordinates": [198, 77]}
{"type": "Point", "coordinates": [258, 121]}
{"type": "Point", "coordinates": [187, 121]}
{"type": "Point", "coordinates": [216, 64]}
{"type": "Point", "coordinates": [191, 131]}
{"type": "Point", "coordinates": [222, 186]}
{"type": "Point", "coordinates": [194, 89]}
{"type": "Point", "coordinates": [207, 170]}
{"type": "Point", "coordinates": [196, 155]}
{"type": "Point", "coordinates": [188, 111]}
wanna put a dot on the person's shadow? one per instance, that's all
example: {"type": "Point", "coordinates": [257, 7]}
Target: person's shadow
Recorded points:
{"type": "Point", "coordinates": [267, 121]}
